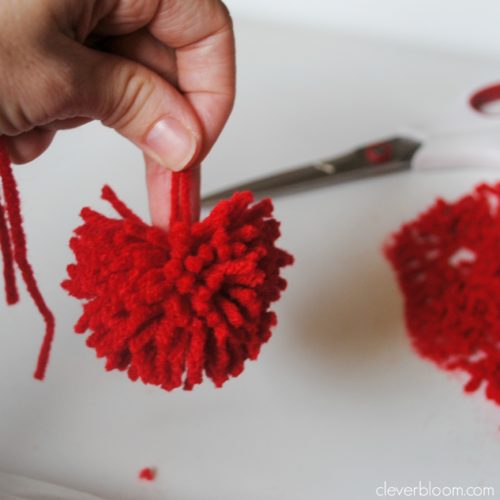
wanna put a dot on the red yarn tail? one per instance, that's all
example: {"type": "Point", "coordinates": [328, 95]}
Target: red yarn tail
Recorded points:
{"type": "Point", "coordinates": [14, 249]}
{"type": "Point", "coordinates": [11, 294]}
{"type": "Point", "coordinates": [185, 196]}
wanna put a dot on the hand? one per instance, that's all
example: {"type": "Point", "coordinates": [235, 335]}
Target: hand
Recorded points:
{"type": "Point", "coordinates": [160, 72]}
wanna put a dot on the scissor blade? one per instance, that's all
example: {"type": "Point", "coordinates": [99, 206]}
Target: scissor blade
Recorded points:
{"type": "Point", "coordinates": [388, 156]}
{"type": "Point", "coordinates": [278, 181]}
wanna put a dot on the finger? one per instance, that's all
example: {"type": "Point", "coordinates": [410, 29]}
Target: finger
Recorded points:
{"type": "Point", "coordinates": [28, 146]}
{"type": "Point", "coordinates": [66, 124]}
{"type": "Point", "coordinates": [126, 16]}
{"type": "Point", "coordinates": [158, 182]}
{"type": "Point", "coordinates": [140, 105]}
{"type": "Point", "coordinates": [201, 32]}
{"type": "Point", "coordinates": [144, 48]}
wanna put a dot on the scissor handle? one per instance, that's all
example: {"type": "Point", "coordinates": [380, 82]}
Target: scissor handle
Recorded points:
{"type": "Point", "coordinates": [483, 97]}
{"type": "Point", "coordinates": [468, 137]}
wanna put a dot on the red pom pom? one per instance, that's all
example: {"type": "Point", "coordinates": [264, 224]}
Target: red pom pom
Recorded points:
{"type": "Point", "coordinates": [448, 268]}
{"type": "Point", "coordinates": [167, 307]}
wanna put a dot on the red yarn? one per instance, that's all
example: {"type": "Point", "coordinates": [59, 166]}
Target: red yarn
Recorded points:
{"type": "Point", "coordinates": [11, 293]}
{"type": "Point", "coordinates": [448, 268]}
{"type": "Point", "coordinates": [147, 474]}
{"type": "Point", "coordinates": [168, 306]}
{"type": "Point", "coordinates": [13, 246]}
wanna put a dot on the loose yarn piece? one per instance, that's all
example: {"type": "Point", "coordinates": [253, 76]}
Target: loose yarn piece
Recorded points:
{"type": "Point", "coordinates": [147, 474]}
{"type": "Point", "coordinates": [448, 268]}
{"type": "Point", "coordinates": [14, 252]}
{"type": "Point", "coordinates": [168, 307]}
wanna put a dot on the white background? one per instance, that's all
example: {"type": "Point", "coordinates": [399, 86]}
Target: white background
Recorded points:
{"type": "Point", "coordinates": [470, 26]}
{"type": "Point", "coordinates": [338, 402]}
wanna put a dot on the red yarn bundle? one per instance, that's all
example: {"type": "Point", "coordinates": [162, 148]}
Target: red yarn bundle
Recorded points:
{"type": "Point", "coordinates": [14, 252]}
{"type": "Point", "coordinates": [170, 306]}
{"type": "Point", "coordinates": [448, 267]}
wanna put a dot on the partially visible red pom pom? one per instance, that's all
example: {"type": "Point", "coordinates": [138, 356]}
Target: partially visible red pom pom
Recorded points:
{"type": "Point", "coordinates": [448, 268]}
{"type": "Point", "coordinates": [170, 306]}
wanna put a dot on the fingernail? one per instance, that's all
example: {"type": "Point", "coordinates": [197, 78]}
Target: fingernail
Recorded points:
{"type": "Point", "coordinates": [171, 144]}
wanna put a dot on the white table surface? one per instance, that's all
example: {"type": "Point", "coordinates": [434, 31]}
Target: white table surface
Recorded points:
{"type": "Point", "coordinates": [337, 403]}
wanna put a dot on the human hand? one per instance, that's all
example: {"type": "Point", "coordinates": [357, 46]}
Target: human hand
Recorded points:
{"type": "Point", "coordinates": [160, 72]}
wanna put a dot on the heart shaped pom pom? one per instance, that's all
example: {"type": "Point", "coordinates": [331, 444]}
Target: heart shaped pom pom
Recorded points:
{"type": "Point", "coordinates": [170, 306]}
{"type": "Point", "coordinates": [447, 265]}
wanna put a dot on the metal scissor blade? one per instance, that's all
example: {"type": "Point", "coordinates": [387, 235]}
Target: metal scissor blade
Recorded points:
{"type": "Point", "coordinates": [375, 159]}
{"type": "Point", "coordinates": [278, 181]}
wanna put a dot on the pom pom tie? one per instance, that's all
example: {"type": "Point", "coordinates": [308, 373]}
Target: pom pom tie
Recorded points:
{"type": "Point", "coordinates": [168, 306]}
{"type": "Point", "coordinates": [14, 252]}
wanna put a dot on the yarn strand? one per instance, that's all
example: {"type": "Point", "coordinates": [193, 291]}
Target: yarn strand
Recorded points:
{"type": "Point", "coordinates": [13, 242]}
{"type": "Point", "coordinates": [174, 197]}
{"type": "Point", "coordinates": [182, 193]}
{"type": "Point", "coordinates": [11, 293]}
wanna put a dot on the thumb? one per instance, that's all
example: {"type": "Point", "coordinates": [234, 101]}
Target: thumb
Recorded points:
{"type": "Point", "coordinates": [143, 107]}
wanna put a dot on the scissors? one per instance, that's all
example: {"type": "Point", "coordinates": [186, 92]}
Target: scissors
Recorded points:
{"type": "Point", "coordinates": [468, 137]}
